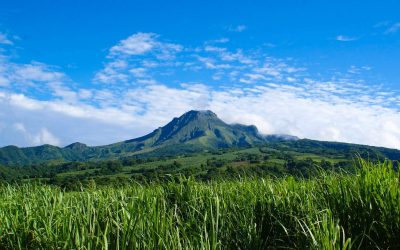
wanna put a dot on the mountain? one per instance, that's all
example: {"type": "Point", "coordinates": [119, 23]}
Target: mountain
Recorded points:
{"type": "Point", "coordinates": [201, 128]}
{"type": "Point", "coordinates": [192, 132]}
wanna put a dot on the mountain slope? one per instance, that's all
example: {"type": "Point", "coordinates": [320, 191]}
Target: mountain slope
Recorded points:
{"type": "Point", "coordinates": [193, 131]}
{"type": "Point", "coordinates": [202, 127]}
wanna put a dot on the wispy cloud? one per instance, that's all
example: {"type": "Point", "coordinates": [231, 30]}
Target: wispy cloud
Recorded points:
{"type": "Point", "coordinates": [393, 28]}
{"type": "Point", "coordinates": [141, 43]}
{"type": "Point", "coordinates": [220, 40]}
{"type": "Point", "coordinates": [388, 27]}
{"type": "Point", "coordinates": [136, 44]}
{"type": "Point", "coordinates": [32, 77]}
{"type": "Point", "coordinates": [238, 28]}
{"type": "Point", "coordinates": [4, 39]}
{"type": "Point", "coordinates": [131, 54]}
{"type": "Point", "coordinates": [344, 38]}
{"type": "Point", "coordinates": [43, 136]}
{"type": "Point", "coordinates": [113, 72]}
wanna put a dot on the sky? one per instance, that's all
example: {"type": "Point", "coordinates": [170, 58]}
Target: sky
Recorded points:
{"type": "Point", "coordinates": [99, 72]}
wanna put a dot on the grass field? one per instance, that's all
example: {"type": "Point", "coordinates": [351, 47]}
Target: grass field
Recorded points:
{"type": "Point", "coordinates": [330, 211]}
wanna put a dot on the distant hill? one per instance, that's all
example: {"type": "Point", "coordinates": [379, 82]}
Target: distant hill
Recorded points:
{"type": "Point", "coordinates": [192, 132]}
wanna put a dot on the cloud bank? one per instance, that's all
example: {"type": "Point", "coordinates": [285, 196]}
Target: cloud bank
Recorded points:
{"type": "Point", "coordinates": [141, 87]}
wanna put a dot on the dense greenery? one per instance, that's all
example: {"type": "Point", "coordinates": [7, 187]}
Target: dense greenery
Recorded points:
{"type": "Point", "coordinates": [199, 183]}
{"type": "Point", "coordinates": [333, 210]}
{"type": "Point", "coordinates": [227, 163]}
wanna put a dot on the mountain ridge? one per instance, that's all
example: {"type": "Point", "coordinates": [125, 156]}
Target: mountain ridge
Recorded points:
{"type": "Point", "coordinates": [194, 131]}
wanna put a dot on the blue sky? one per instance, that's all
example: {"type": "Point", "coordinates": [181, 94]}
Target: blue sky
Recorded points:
{"type": "Point", "coordinates": [99, 72]}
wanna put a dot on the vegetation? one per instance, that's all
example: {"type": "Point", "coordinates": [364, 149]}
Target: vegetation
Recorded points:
{"type": "Point", "coordinates": [193, 133]}
{"type": "Point", "coordinates": [333, 210]}
{"type": "Point", "coordinates": [199, 183]}
{"type": "Point", "coordinates": [229, 163]}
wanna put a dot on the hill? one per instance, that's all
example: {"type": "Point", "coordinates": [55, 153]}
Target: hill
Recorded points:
{"type": "Point", "coordinates": [193, 132]}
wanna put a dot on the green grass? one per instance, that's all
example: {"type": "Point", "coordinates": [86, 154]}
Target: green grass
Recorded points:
{"type": "Point", "coordinates": [330, 211]}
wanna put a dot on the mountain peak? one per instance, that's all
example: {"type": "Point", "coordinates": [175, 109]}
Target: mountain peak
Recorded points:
{"type": "Point", "coordinates": [201, 129]}
{"type": "Point", "coordinates": [194, 131]}
{"type": "Point", "coordinates": [195, 116]}
{"type": "Point", "coordinates": [77, 145]}
{"type": "Point", "coordinates": [197, 113]}
{"type": "Point", "coordinates": [204, 112]}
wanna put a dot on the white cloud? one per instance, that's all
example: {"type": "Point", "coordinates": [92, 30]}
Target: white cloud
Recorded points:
{"type": "Point", "coordinates": [251, 78]}
{"type": "Point", "coordinates": [238, 56]}
{"type": "Point", "coordinates": [85, 94]}
{"type": "Point", "coordinates": [138, 72]}
{"type": "Point", "coordinates": [211, 63]}
{"type": "Point", "coordinates": [325, 118]}
{"type": "Point", "coordinates": [311, 111]}
{"type": "Point", "coordinates": [19, 127]}
{"type": "Point", "coordinates": [358, 70]}
{"type": "Point", "coordinates": [343, 38]}
{"type": "Point", "coordinates": [221, 40]}
{"type": "Point", "coordinates": [124, 57]}
{"type": "Point", "coordinates": [137, 102]}
{"type": "Point", "coordinates": [42, 136]}
{"type": "Point", "coordinates": [136, 44]}
{"type": "Point", "coordinates": [4, 81]}
{"type": "Point", "coordinates": [57, 122]}
{"type": "Point", "coordinates": [291, 79]}
{"type": "Point", "coordinates": [113, 72]}
{"type": "Point", "coordinates": [45, 137]}
{"type": "Point", "coordinates": [60, 90]}
{"type": "Point", "coordinates": [393, 28]}
{"type": "Point", "coordinates": [230, 66]}
{"type": "Point", "coordinates": [4, 39]}
{"type": "Point", "coordinates": [238, 28]}
{"type": "Point", "coordinates": [32, 76]}
{"type": "Point", "coordinates": [142, 43]}
{"type": "Point", "coordinates": [36, 72]}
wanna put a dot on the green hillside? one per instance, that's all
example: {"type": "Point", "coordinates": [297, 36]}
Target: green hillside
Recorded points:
{"type": "Point", "coordinates": [192, 133]}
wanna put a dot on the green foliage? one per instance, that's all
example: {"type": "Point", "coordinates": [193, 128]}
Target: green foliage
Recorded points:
{"type": "Point", "coordinates": [224, 163]}
{"type": "Point", "coordinates": [331, 211]}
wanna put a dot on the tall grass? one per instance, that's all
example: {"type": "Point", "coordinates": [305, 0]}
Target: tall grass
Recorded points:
{"type": "Point", "coordinates": [331, 211]}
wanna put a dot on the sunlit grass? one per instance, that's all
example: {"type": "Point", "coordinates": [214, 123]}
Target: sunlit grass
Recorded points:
{"type": "Point", "coordinates": [330, 211]}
